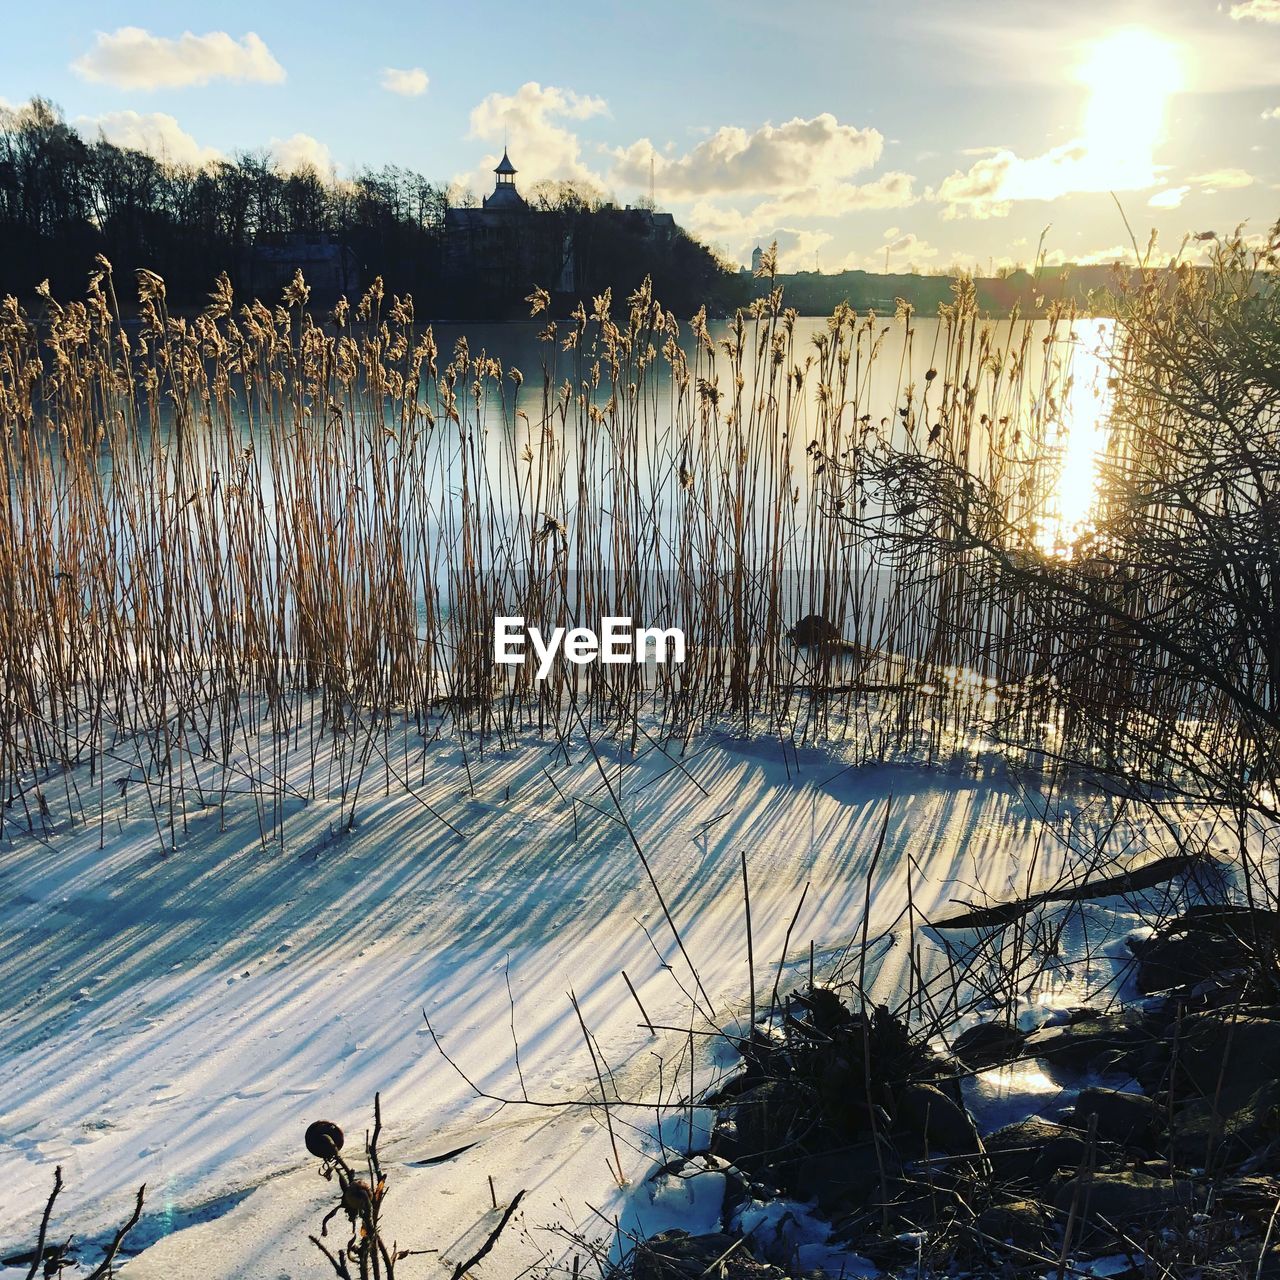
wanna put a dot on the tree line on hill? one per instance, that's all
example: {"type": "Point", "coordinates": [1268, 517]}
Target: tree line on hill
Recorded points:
{"type": "Point", "coordinates": [65, 198]}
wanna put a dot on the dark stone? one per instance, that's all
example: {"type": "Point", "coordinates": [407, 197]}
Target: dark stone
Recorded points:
{"type": "Point", "coordinates": [907, 1203]}
{"type": "Point", "coordinates": [1032, 1152]}
{"type": "Point", "coordinates": [1129, 1119]}
{"type": "Point", "coordinates": [766, 1118]}
{"type": "Point", "coordinates": [813, 629]}
{"type": "Point", "coordinates": [988, 1044]}
{"type": "Point", "coordinates": [841, 1181]}
{"type": "Point", "coordinates": [676, 1255]}
{"type": "Point", "coordinates": [1218, 1051]}
{"type": "Point", "coordinates": [1204, 943]}
{"type": "Point", "coordinates": [1253, 1197]}
{"type": "Point", "coordinates": [1021, 1223]}
{"type": "Point", "coordinates": [1123, 1196]}
{"type": "Point", "coordinates": [1234, 1125]}
{"type": "Point", "coordinates": [1109, 1042]}
{"type": "Point", "coordinates": [943, 1124]}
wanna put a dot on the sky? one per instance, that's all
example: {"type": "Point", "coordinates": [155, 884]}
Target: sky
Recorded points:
{"type": "Point", "coordinates": [907, 134]}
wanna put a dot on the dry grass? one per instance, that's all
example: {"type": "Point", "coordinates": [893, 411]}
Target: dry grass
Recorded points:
{"type": "Point", "coordinates": [256, 536]}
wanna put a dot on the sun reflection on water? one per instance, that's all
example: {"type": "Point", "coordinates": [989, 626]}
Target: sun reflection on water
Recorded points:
{"type": "Point", "coordinates": [1077, 437]}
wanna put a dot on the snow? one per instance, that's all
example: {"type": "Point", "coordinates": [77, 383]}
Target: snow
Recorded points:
{"type": "Point", "coordinates": [787, 1231]}
{"type": "Point", "coordinates": [1115, 1264]}
{"type": "Point", "coordinates": [179, 1020]}
{"type": "Point", "coordinates": [691, 1200]}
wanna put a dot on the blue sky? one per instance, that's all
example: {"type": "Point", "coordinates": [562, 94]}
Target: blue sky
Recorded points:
{"type": "Point", "coordinates": [917, 133]}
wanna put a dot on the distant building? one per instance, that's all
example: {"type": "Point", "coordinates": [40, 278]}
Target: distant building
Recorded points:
{"type": "Point", "coordinates": [327, 265]}
{"type": "Point", "coordinates": [504, 247]}
{"type": "Point", "coordinates": [757, 257]}
{"type": "Point", "coordinates": [505, 196]}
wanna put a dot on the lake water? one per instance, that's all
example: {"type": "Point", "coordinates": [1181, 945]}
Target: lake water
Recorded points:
{"type": "Point", "coordinates": [715, 498]}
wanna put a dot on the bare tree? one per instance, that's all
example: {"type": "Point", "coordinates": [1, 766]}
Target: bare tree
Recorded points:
{"type": "Point", "coordinates": [1156, 632]}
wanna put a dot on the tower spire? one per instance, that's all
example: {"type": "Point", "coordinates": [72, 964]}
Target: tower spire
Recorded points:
{"type": "Point", "coordinates": [505, 195]}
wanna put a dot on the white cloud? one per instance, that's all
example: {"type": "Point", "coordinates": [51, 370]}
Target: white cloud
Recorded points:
{"type": "Point", "coordinates": [799, 249]}
{"type": "Point", "coordinates": [908, 242]}
{"type": "Point", "coordinates": [1169, 198]}
{"type": "Point", "coordinates": [1273, 114]}
{"type": "Point", "coordinates": [1105, 257]}
{"type": "Point", "coordinates": [1258, 10]}
{"type": "Point", "coordinates": [736, 233]}
{"type": "Point", "coordinates": [980, 192]}
{"type": "Point", "coordinates": [300, 152]}
{"type": "Point", "coordinates": [993, 183]}
{"type": "Point", "coordinates": [1189, 249]}
{"type": "Point", "coordinates": [1224, 180]}
{"type": "Point", "coordinates": [792, 157]}
{"type": "Point", "coordinates": [901, 251]}
{"type": "Point", "coordinates": [893, 190]}
{"type": "Point", "coordinates": [1130, 75]}
{"type": "Point", "coordinates": [154, 132]}
{"type": "Point", "coordinates": [531, 120]}
{"type": "Point", "coordinates": [731, 229]}
{"type": "Point", "coordinates": [133, 58]}
{"type": "Point", "coordinates": [409, 82]}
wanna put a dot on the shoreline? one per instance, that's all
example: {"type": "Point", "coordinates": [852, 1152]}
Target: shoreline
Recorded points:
{"type": "Point", "coordinates": [693, 815]}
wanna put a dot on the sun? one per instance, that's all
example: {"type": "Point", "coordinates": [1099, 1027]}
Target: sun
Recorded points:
{"type": "Point", "coordinates": [1130, 76]}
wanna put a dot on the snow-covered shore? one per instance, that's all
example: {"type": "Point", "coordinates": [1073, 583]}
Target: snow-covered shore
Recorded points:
{"type": "Point", "coordinates": [178, 1020]}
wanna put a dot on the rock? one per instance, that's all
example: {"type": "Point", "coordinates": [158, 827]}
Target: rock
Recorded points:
{"type": "Point", "coordinates": [1265, 1159]}
{"type": "Point", "coordinates": [1031, 1152]}
{"type": "Point", "coordinates": [1269, 1267]}
{"type": "Point", "coordinates": [988, 1044]}
{"type": "Point", "coordinates": [765, 1118]}
{"type": "Point", "coordinates": [1252, 1196]}
{"type": "Point", "coordinates": [1122, 1196]}
{"type": "Point", "coordinates": [907, 1204]}
{"type": "Point", "coordinates": [813, 629]}
{"type": "Point", "coordinates": [1219, 1051]}
{"type": "Point", "coordinates": [1108, 1042]}
{"type": "Point", "coordinates": [1234, 1126]}
{"type": "Point", "coordinates": [1129, 1119]}
{"type": "Point", "coordinates": [676, 1255]}
{"type": "Point", "coordinates": [1204, 943]}
{"type": "Point", "coordinates": [1078, 1013]}
{"type": "Point", "coordinates": [1021, 1223]}
{"type": "Point", "coordinates": [1182, 963]}
{"type": "Point", "coordinates": [841, 1181]}
{"type": "Point", "coordinates": [943, 1124]}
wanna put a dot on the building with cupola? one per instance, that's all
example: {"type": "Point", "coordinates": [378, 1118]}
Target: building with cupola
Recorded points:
{"type": "Point", "coordinates": [503, 246]}
{"type": "Point", "coordinates": [499, 250]}
{"type": "Point", "coordinates": [505, 195]}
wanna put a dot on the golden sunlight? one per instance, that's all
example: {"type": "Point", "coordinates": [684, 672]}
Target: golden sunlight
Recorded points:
{"type": "Point", "coordinates": [1130, 76]}
{"type": "Point", "coordinates": [1079, 436]}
